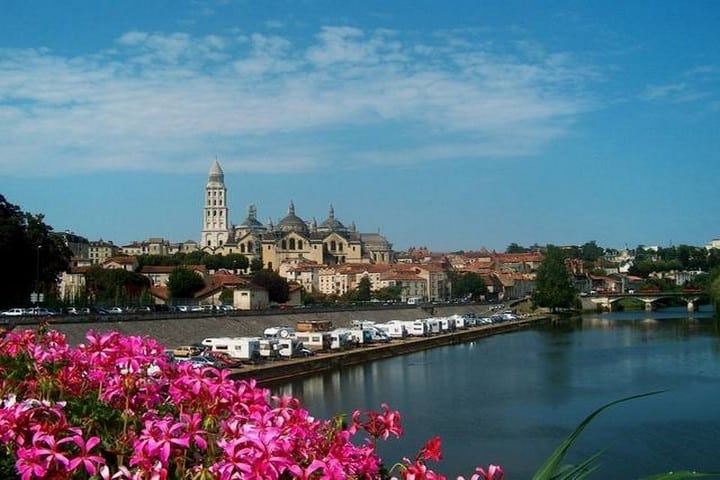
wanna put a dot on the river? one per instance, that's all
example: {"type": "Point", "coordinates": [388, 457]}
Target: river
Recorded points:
{"type": "Point", "coordinates": [511, 399]}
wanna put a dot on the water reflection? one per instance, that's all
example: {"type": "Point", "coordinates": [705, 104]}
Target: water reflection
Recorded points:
{"type": "Point", "coordinates": [511, 398]}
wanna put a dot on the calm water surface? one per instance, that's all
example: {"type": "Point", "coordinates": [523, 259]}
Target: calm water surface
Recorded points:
{"type": "Point", "coordinates": [511, 399]}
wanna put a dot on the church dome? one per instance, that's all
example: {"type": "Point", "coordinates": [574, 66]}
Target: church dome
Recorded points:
{"type": "Point", "coordinates": [292, 223]}
{"type": "Point", "coordinates": [332, 224]}
{"type": "Point", "coordinates": [251, 222]}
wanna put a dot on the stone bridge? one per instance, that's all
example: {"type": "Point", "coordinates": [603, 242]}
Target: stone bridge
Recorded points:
{"type": "Point", "coordinates": [606, 300]}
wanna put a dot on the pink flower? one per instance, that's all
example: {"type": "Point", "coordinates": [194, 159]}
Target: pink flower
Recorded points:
{"type": "Point", "coordinates": [379, 425]}
{"type": "Point", "coordinates": [89, 461]}
{"type": "Point", "coordinates": [431, 450]}
{"type": "Point", "coordinates": [494, 472]}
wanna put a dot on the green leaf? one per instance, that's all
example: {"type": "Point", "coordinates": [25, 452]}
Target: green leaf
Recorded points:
{"type": "Point", "coordinates": [549, 470]}
{"type": "Point", "coordinates": [580, 471]}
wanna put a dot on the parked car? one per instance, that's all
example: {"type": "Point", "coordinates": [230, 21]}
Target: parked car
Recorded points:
{"type": "Point", "coordinates": [116, 310]}
{"type": "Point", "coordinates": [14, 312]}
{"type": "Point", "coordinates": [40, 312]}
{"type": "Point", "coordinates": [184, 351]}
{"type": "Point", "coordinates": [204, 361]}
{"type": "Point", "coordinates": [224, 358]}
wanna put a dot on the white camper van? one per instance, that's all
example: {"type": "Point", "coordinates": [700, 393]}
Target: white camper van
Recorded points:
{"type": "Point", "coordinates": [242, 348]}
{"type": "Point", "coordinates": [393, 330]}
{"type": "Point", "coordinates": [278, 332]}
{"type": "Point", "coordinates": [315, 341]}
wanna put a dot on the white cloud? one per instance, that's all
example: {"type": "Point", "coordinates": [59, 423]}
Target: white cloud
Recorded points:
{"type": "Point", "coordinates": [170, 101]}
{"type": "Point", "coordinates": [673, 92]}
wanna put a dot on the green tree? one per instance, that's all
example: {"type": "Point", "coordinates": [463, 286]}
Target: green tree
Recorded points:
{"type": "Point", "coordinates": [363, 290]}
{"type": "Point", "coordinates": [31, 252]}
{"type": "Point", "coordinates": [256, 265]}
{"type": "Point", "coordinates": [714, 289]}
{"type": "Point", "coordinates": [277, 287]}
{"type": "Point", "coordinates": [515, 248]}
{"type": "Point", "coordinates": [391, 293]}
{"type": "Point", "coordinates": [235, 261]}
{"type": "Point", "coordinates": [591, 252]}
{"type": "Point", "coordinates": [469, 284]}
{"type": "Point", "coordinates": [116, 286]}
{"type": "Point", "coordinates": [554, 287]}
{"type": "Point", "coordinates": [227, 296]}
{"type": "Point", "coordinates": [184, 283]}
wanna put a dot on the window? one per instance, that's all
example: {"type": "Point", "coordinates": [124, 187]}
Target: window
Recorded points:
{"type": "Point", "coordinates": [292, 244]}
{"type": "Point", "coordinates": [249, 247]}
{"type": "Point", "coordinates": [283, 244]}
{"type": "Point", "coordinates": [242, 248]}
{"type": "Point", "coordinates": [300, 246]}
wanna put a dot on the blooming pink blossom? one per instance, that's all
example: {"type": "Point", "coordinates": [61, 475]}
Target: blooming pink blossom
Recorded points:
{"type": "Point", "coordinates": [115, 408]}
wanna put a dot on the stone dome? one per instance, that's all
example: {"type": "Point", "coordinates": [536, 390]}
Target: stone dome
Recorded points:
{"type": "Point", "coordinates": [251, 222]}
{"type": "Point", "coordinates": [332, 224]}
{"type": "Point", "coordinates": [292, 223]}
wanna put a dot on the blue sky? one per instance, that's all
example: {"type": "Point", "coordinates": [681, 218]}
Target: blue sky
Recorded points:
{"type": "Point", "coordinates": [451, 125]}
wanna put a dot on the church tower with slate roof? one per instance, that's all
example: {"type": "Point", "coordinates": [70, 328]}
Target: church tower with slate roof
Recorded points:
{"type": "Point", "coordinates": [216, 231]}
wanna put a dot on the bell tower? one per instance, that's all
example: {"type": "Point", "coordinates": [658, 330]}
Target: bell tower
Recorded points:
{"type": "Point", "coordinates": [215, 232]}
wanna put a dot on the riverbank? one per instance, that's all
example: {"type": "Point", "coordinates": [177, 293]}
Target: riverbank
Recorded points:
{"type": "Point", "coordinates": [279, 371]}
{"type": "Point", "coordinates": [185, 329]}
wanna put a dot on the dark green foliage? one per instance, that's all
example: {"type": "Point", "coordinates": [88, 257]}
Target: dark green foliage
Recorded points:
{"type": "Point", "coordinates": [515, 248]}
{"type": "Point", "coordinates": [468, 284]}
{"type": "Point", "coordinates": [363, 290]}
{"type": "Point", "coordinates": [31, 253]}
{"type": "Point", "coordinates": [184, 283]}
{"type": "Point", "coordinates": [680, 257]}
{"type": "Point", "coordinates": [226, 296]}
{"type": "Point", "coordinates": [116, 286]}
{"type": "Point", "coordinates": [233, 261]}
{"type": "Point", "coordinates": [391, 293]}
{"type": "Point", "coordinates": [554, 287]}
{"type": "Point", "coordinates": [277, 286]}
{"type": "Point", "coordinates": [256, 265]}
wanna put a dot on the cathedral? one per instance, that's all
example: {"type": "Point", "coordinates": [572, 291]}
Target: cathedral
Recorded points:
{"type": "Point", "coordinates": [292, 240]}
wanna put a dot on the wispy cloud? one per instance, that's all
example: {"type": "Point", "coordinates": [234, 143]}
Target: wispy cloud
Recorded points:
{"type": "Point", "coordinates": [171, 101]}
{"type": "Point", "coordinates": [673, 92]}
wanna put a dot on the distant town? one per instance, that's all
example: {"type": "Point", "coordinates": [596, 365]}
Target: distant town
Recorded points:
{"type": "Point", "coordinates": [329, 262]}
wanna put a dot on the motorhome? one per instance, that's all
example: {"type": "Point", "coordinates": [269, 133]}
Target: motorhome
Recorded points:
{"type": "Point", "coordinates": [358, 336]}
{"type": "Point", "coordinates": [340, 340]}
{"type": "Point", "coordinates": [414, 328]}
{"type": "Point", "coordinates": [278, 332]}
{"type": "Point", "coordinates": [447, 324]}
{"type": "Point", "coordinates": [433, 325]}
{"type": "Point", "coordinates": [291, 347]}
{"type": "Point", "coordinates": [242, 348]}
{"type": "Point", "coordinates": [393, 330]}
{"type": "Point", "coordinates": [315, 341]}
{"type": "Point", "coordinates": [269, 348]}
{"type": "Point", "coordinates": [461, 321]}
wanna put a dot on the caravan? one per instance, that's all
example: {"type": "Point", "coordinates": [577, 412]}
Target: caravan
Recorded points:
{"type": "Point", "coordinates": [315, 341]}
{"type": "Point", "coordinates": [393, 330]}
{"type": "Point", "coordinates": [414, 328]}
{"type": "Point", "coordinates": [278, 332]}
{"type": "Point", "coordinates": [241, 348]}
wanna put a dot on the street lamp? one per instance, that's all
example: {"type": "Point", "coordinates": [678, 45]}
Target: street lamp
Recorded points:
{"type": "Point", "coordinates": [37, 275]}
